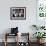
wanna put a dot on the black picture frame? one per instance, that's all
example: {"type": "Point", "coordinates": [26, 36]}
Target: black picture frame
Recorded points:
{"type": "Point", "coordinates": [18, 13]}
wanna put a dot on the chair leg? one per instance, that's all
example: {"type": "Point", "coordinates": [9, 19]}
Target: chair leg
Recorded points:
{"type": "Point", "coordinates": [5, 43]}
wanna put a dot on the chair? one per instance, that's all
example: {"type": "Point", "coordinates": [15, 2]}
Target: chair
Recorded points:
{"type": "Point", "coordinates": [7, 35]}
{"type": "Point", "coordinates": [26, 41]}
{"type": "Point", "coordinates": [14, 32]}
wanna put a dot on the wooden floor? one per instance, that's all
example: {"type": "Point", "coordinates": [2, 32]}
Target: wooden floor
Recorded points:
{"type": "Point", "coordinates": [13, 44]}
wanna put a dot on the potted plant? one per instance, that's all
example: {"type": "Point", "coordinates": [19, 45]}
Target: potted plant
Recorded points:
{"type": "Point", "coordinates": [39, 35]}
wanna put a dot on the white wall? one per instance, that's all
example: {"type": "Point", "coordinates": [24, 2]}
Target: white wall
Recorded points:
{"type": "Point", "coordinates": [24, 25]}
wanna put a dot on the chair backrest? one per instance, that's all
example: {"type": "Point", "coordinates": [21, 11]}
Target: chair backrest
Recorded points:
{"type": "Point", "coordinates": [14, 30]}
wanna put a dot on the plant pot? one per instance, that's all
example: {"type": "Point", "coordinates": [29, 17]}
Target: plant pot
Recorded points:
{"type": "Point", "coordinates": [40, 41]}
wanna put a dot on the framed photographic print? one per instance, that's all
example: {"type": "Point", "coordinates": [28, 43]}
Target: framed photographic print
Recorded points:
{"type": "Point", "coordinates": [18, 13]}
